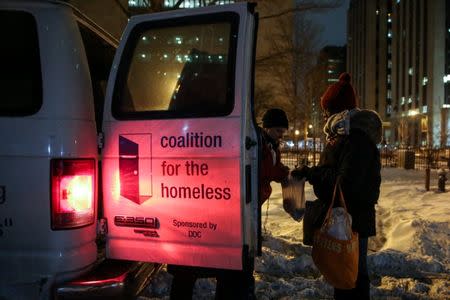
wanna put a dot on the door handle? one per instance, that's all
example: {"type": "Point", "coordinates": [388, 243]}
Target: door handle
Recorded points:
{"type": "Point", "coordinates": [250, 143]}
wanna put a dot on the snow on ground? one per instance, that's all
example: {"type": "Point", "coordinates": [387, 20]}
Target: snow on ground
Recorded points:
{"type": "Point", "coordinates": [408, 259]}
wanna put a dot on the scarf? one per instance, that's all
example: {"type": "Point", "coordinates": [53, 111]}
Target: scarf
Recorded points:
{"type": "Point", "coordinates": [338, 124]}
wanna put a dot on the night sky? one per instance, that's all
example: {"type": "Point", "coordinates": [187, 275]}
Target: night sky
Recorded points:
{"type": "Point", "coordinates": [334, 24]}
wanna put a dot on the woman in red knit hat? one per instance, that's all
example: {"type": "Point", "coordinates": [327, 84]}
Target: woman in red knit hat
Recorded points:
{"type": "Point", "coordinates": [352, 157]}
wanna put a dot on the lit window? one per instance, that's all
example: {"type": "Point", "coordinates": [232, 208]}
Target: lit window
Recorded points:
{"type": "Point", "coordinates": [424, 81]}
{"type": "Point", "coordinates": [377, 11]}
{"type": "Point", "coordinates": [402, 102]}
{"type": "Point", "coordinates": [424, 109]}
{"type": "Point", "coordinates": [410, 71]}
{"type": "Point", "coordinates": [389, 109]}
{"type": "Point", "coordinates": [409, 100]}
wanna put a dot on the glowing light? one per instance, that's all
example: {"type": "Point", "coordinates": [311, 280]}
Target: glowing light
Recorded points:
{"type": "Point", "coordinates": [413, 112]}
{"type": "Point", "coordinates": [446, 78]}
{"type": "Point", "coordinates": [115, 188]}
{"type": "Point", "coordinates": [297, 132]}
{"type": "Point", "coordinates": [78, 192]}
{"type": "Point", "coordinates": [310, 126]}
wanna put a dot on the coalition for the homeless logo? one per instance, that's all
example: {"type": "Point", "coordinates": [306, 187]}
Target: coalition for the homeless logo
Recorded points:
{"type": "Point", "coordinates": [135, 167]}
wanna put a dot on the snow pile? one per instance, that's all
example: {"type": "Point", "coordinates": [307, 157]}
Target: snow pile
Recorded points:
{"type": "Point", "coordinates": [408, 259]}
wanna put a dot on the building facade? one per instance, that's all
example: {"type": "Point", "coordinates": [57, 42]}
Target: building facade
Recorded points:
{"type": "Point", "coordinates": [398, 53]}
{"type": "Point", "coordinates": [332, 60]}
{"type": "Point", "coordinates": [140, 6]}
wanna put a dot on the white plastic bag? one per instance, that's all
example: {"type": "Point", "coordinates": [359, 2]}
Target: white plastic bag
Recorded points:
{"type": "Point", "coordinates": [293, 191]}
{"type": "Point", "coordinates": [339, 224]}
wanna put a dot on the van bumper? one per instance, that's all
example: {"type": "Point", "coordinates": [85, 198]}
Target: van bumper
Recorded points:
{"type": "Point", "coordinates": [111, 279]}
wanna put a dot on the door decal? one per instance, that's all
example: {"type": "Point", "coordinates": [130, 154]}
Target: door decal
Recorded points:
{"type": "Point", "coordinates": [135, 167]}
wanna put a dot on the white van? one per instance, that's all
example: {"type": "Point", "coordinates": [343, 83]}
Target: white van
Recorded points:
{"type": "Point", "coordinates": [179, 163]}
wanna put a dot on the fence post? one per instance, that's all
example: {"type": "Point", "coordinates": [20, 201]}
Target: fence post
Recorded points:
{"type": "Point", "coordinates": [427, 170]}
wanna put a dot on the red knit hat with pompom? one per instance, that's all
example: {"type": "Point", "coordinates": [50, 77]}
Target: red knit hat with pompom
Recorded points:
{"type": "Point", "coordinates": [339, 96]}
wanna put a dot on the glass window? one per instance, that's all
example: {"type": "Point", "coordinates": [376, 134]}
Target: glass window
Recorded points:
{"type": "Point", "coordinates": [178, 68]}
{"type": "Point", "coordinates": [100, 55]}
{"type": "Point", "coordinates": [20, 68]}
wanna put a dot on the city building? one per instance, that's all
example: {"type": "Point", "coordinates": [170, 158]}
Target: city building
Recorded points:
{"type": "Point", "coordinates": [399, 55]}
{"type": "Point", "coordinates": [332, 60]}
{"type": "Point", "coordinates": [142, 6]}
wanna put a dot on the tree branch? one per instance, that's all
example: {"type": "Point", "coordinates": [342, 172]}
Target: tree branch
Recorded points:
{"type": "Point", "coordinates": [308, 6]}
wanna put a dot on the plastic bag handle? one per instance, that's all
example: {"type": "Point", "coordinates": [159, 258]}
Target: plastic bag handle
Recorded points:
{"type": "Point", "coordinates": [342, 201]}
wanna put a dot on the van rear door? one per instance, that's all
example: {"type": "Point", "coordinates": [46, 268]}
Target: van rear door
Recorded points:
{"type": "Point", "coordinates": [179, 166]}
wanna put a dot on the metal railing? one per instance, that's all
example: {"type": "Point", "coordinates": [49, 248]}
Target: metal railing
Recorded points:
{"type": "Point", "coordinates": [407, 158]}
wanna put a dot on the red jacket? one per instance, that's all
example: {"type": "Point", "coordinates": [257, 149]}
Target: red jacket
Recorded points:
{"type": "Point", "coordinates": [271, 167]}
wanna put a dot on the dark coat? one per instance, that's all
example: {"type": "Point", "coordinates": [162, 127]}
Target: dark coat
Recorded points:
{"type": "Point", "coordinates": [355, 159]}
{"type": "Point", "coordinates": [271, 167]}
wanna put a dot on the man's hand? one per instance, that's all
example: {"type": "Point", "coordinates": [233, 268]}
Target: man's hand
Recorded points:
{"type": "Point", "coordinates": [300, 173]}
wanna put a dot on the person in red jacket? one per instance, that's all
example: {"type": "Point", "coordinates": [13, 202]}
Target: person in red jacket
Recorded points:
{"type": "Point", "coordinates": [275, 125]}
{"type": "Point", "coordinates": [240, 285]}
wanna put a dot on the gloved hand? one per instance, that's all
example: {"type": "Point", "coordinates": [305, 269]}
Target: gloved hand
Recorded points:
{"type": "Point", "coordinates": [300, 173]}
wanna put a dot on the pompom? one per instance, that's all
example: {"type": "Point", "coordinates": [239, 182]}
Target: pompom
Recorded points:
{"type": "Point", "coordinates": [345, 77]}
{"type": "Point", "coordinates": [339, 96]}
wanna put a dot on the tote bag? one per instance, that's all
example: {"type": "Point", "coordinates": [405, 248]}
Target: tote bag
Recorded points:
{"type": "Point", "coordinates": [315, 212]}
{"type": "Point", "coordinates": [336, 259]}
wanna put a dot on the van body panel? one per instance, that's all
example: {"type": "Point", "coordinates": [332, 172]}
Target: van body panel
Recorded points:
{"type": "Point", "coordinates": [174, 179]}
{"type": "Point", "coordinates": [64, 127]}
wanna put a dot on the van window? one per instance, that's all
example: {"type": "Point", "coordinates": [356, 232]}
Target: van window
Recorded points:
{"type": "Point", "coordinates": [178, 68]}
{"type": "Point", "coordinates": [20, 67]}
{"type": "Point", "coordinates": [100, 55]}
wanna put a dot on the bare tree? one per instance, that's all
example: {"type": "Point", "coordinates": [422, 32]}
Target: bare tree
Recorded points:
{"type": "Point", "coordinates": [286, 56]}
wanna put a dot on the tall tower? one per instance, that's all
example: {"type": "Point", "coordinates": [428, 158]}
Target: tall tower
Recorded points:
{"type": "Point", "coordinates": [398, 53]}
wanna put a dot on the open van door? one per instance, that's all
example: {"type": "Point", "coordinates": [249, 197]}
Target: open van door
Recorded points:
{"type": "Point", "coordinates": [180, 157]}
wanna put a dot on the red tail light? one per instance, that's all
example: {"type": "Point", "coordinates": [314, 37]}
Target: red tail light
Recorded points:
{"type": "Point", "coordinates": [72, 189]}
